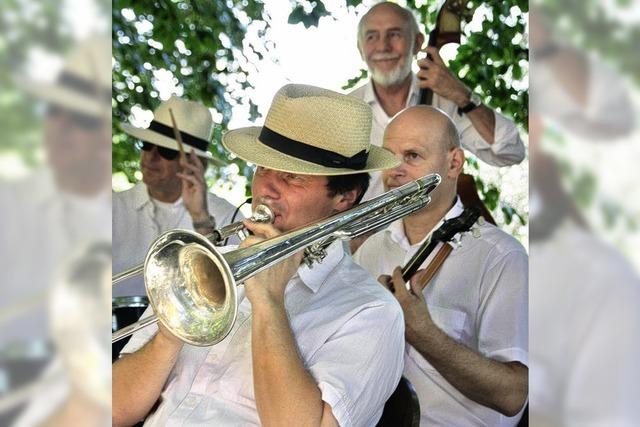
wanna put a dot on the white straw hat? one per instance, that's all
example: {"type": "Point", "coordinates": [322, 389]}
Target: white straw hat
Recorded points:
{"type": "Point", "coordinates": [312, 131]}
{"type": "Point", "coordinates": [84, 84]}
{"type": "Point", "coordinates": [192, 119]}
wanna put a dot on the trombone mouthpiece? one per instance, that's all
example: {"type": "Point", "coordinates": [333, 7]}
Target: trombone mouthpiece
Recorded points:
{"type": "Point", "coordinates": [262, 213]}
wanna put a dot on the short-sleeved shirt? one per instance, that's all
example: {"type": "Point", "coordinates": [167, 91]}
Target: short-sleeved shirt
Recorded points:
{"type": "Point", "coordinates": [349, 333]}
{"type": "Point", "coordinates": [479, 297]}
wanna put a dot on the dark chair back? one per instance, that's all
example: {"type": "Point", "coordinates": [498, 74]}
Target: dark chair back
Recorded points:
{"type": "Point", "coordinates": [402, 409]}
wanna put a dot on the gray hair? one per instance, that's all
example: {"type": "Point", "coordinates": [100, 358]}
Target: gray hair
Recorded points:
{"type": "Point", "coordinates": [407, 15]}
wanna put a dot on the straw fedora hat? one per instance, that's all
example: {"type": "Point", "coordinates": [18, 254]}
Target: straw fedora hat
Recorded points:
{"type": "Point", "coordinates": [193, 120]}
{"type": "Point", "coordinates": [84, 84]}
{"type": "Point", "coordinates": [312, 131]}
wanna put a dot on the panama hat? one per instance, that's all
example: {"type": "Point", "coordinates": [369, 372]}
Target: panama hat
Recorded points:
{"type": "Point", "coordinates": [312, 131]}
{"type": "Point", "coordinates": [192, 119]}
{"type": "Point", "coordinates": [84, 84]}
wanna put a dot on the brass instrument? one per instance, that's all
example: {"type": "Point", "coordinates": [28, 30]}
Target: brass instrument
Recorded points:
{"type": "Point", "coordinates": [262, 213]}
{"type": "Point", "coordinates": [191, 284]}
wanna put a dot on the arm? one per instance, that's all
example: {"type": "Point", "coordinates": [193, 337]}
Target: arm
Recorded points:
{"type": "Point", "coordinates": [194, 192]}
{"type": "Point", "coordinates": [497, 385]}
{"type": "Point", "coordinates": [489, 135]}
{"type": "Point", "coordinates": [285, 392]}
{"type": "Point", "coordinates": [435, 75]}
{"type": "Point", "coordinates": [138, 378]}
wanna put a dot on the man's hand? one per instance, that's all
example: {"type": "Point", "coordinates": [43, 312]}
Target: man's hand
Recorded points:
{"type": "Point", "coordinates": [194, 187]}
{"type": "Point", "coordinates": [435, 75]}
{"type": "Point", "coordinates": [416, 313]}
{"type": "Point", "coordinates": [268, 286]}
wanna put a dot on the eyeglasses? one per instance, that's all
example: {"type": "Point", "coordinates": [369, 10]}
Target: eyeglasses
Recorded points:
{"type": "Point", "coordinates": [79, 120]}
{"type": "Point", "coordinates": [165, 153]}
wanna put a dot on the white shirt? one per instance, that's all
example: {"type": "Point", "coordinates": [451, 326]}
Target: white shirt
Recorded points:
{"type": "Point", "coordinates": [585, 325]}
{"type": "Point", "coordinates": [507, 149]}
{"type": "Point", "coordinates": [350, 336]}
{"type": "Point", "coordinates": [138, 221]}
{"type": "Point", "coordinates": [44, 232]}
{"type": "Point", "coordinates": [478, 298]}
{"type": "Point", "coordinates": [42, 227]}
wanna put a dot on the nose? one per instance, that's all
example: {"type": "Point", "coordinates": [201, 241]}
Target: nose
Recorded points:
{"type": "Point", "coordinates": [267, 184]}
{"type": "Point", "coordinates": [152, 155]}
{"type": "Point", "coordinates": [399, 171]}
{"type": "Point", "coordinates": [384, 44]}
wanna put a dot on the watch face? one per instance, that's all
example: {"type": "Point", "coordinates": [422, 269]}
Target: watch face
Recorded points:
{"type": "Point", "coordinates": [475, 99]}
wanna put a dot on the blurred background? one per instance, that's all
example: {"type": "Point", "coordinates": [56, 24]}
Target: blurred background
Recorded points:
{"type": "Point", "coordinates": [583, 146]}
{"type": "Point", "coordinates": [55, 214]}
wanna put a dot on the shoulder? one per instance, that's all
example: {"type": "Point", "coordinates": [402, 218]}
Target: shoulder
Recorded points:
{"type": "Point", "coordinates": [488, 247]}
{"type": "Point", "coordinates": [497, 241]}
{"type": "Point", "coordinates": [127, 198]}
{"type": "Point", "coordinates": [221, 209]}
{"type": "Point", "coordinates": [359, 92]}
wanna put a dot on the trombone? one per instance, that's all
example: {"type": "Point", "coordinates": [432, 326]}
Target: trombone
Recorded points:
{"type": "Point", "coordinates": [262, 213]}
{"type": "Point", "coordinates": [191, 284]}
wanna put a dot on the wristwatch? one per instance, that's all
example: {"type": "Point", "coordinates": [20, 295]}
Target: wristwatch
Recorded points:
{"type": "Point", "coordinates": [474, 102]}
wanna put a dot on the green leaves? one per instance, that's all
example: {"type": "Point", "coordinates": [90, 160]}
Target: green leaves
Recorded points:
{"type": "Point", "coordinates": [309, 18]}
{"type": "Point", "coordinates": [194, 48]}
{"type": "Point", "coordinates": [354, 81]}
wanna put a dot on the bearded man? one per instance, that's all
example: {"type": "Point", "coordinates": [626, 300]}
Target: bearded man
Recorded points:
{"type": "Point", "coordinates": [388, 40]}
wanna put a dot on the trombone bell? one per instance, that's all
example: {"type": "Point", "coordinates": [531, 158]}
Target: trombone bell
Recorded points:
{"type": "Point", "coordinates": [191, 287]}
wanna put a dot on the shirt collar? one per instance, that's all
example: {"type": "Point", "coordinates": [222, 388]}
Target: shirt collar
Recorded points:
{"type": "Point", "coordinates": [313, 277]}
{"type": "Point", "coordinates": [369, 94]}
{"type": "Point", "coordinates": [371, 98]}
{"type": "Point", "coordinates": [141, 197]}
{"type": "Point", "coordinates": [414, 91]}
{"type": "Point", "coordinates": [396, 228]}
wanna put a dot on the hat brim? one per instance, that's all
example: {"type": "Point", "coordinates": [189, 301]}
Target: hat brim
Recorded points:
{"type": "Point", "coordinates": [67, 98]}
{"type": "Point", "coordinates": [164, 141]}
{"type": "Point", "coordinates": [244, 143]}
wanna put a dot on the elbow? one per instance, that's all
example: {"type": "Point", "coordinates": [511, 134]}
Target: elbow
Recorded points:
{"type": "Point", "coordinates": [515, 396]}
{"type": "Point", "coordinates": [121, 418]}
{"type": "Point", "coordinates": [512, 407]}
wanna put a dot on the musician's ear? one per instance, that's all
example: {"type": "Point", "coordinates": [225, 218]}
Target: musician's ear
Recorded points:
{"type": "Point", "coordinates": [345, 200]}
{"type": "Point", "coordinates": [419, 41]}
{"type": "Point", "coordinates": [456, 162]}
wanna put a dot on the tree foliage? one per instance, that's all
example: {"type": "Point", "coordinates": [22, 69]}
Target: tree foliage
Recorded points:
{"type": "Point", "coordinates": [492, 62]}
{"type": "Point", "coordinates": [214, 54]}
{"type": "Point", "coordinates": [23, 28]}
{"type": "Point", "coordinates": [200, 43]}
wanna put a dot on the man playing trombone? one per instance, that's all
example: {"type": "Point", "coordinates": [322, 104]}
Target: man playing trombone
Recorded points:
{"type": "Point", "coordinates": [317, 345]}
{"type": "Point", "coordinates": [467, 329]}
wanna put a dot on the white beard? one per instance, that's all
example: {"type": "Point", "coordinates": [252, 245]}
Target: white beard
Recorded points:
{"type": "Point", "coordinates": [393, 77]}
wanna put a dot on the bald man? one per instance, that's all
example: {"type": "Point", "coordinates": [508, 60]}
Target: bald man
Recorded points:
{"type": "Point", "coordinates": [467, 330]}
